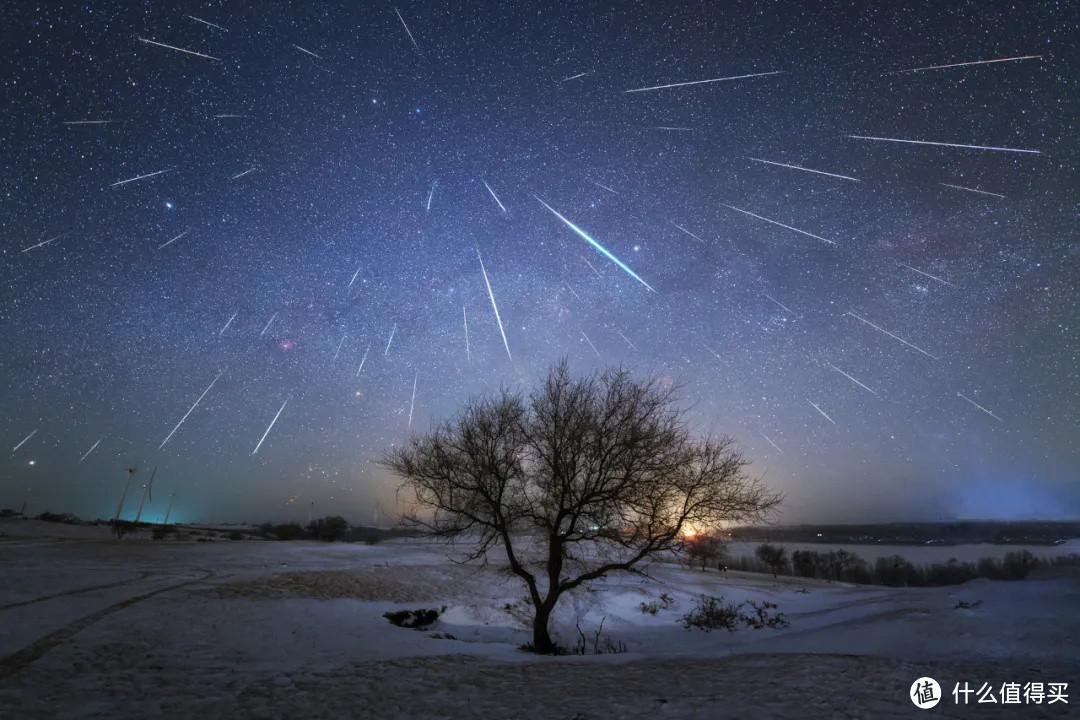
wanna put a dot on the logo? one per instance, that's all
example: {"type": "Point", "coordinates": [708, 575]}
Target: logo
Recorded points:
{"type": "Point", "coordinates": [925, 693]}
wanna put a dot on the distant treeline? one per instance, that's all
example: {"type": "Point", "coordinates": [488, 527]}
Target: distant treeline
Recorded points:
{"type": "Point", "coordinates": [893, 570]}
{"type": "Point", "coordinates": [936, 533]}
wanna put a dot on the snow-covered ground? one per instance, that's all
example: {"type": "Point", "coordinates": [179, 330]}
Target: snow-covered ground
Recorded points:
{"type": "Point", "coordinates": [93, 627]}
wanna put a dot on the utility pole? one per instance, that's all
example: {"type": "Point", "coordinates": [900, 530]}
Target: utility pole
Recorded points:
{"type": "Point", "coordinates": [171, 498]}
{"type": "Point", "coordinates": [120, 506]}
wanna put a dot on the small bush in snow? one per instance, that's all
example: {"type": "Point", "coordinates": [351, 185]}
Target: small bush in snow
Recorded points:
{"type": "Point", "coordinates": [607, 648]}
{"type": "Point", "coordinates": [711, 613]}
{"type": "Point", "coordinates": [417, 619]}
{"type": "Point", "coordinates": [666, 602]}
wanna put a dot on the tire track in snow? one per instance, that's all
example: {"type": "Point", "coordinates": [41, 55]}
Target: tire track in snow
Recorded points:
{"type": "Point", "coordinates": [17, 661]}
{"type": "Point", "coordinates": [145, 574]}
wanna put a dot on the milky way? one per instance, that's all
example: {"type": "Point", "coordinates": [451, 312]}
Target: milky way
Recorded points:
{"type": "Point", "coordinates": [861, 244]}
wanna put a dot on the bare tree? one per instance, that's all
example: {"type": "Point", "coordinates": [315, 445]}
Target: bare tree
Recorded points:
{"type": "Point", "coordinates": [774, 556]}
{"type": "Point", "coordinates": [581, 478]}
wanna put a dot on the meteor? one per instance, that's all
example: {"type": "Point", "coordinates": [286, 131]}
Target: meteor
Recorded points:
{"type": "Point", "coordinates": [713, 352]}
{"type": "Point", "coordinates": [268, 324]}
{"type": "Point", "coordinates": [980, 407]}
{"type": "Point", "coordinates": [189, 411]}
{"type": "Point", "coordinates": [590, 343]}
{"type": "Point", "coordinates": [228, 323]}
{"type": "Point", "coordinates": [199, 19]}
{"type": "Point", "coordinates": [774, 222]}
{"type": "Point", "coordinates": [604, 187]}
{"type": "Point", "coordinates": [240, 175]}
{"type": "Point", "coordinates": [796, 167]}
{"type": "Point", "coordinates": [88, 122]}
{"type": "Point", "coordinates": [573, 292]}
{"type": "Point", "coordinates": [336, 352]}
{"type": "Point", "coordinates": [175, 239]}
{"type": "Point", "coordinates": [415, 45]}
{"type": "Point", "coordinates": [494, 306]}
{"type": "Point", "coordinates": [574, 77]}
{"type": "Point", "coordinates": [669, 127]}
{"type": "Point", "coordinates": [307, 51]}
{"type": "Point", "coordinates": [230, 116]}
{"type": "Point", "coordinates": [354, 275]}
{"type": "Point", "coordinates": [392, 331]}
{"type": "Point", "coordinates": [771, 442]}
{"type": "Point", "coordinates": [852, 379]}
{"type": "Point", "coordinates": [932, 277]}
{"type": "Point", "coordinates": [269, 428]}
{"type": "Point", "coordinates": [593, 268]}
{"type": "Point", "coordinates": [895, 337]}
{"type": "Point", "coordinates": [41, 244]}
{"type": "Point", "coordinates": [973, 190]}
{"type": "Point", "coordinates": [412, 403]}
{"type": "Point", "coordinates": [595, 244]}
{"type": "Point", "coordinates": [782, 305]}
{"type": "Point", "coordinates": [362, 361]}
{"type": "Point", "coordinates": [140, 177]}
{"type": "Point", "coordinates": [90, 450]}
{"type": "Point", "coordinates": [173, 47]}
{"type": "Point", "coordinates": [626, 339]}
{"type": "Point", "coordinates": [687, 232]}
{"type": "Point", "coordinates": [24, 441]}
{"type": "Point", "coordinates": [944, 144]}
{"type": "Point", "coordinates": [965, 64]}
{"type": "Point", "coordinates": [430, 194]}
{"type": "Point", "coordinates": [820, 411]}
{"type": "Point", "coordinates": [494, 195]}
{"type": "Point", "coordinates": [702, 82]}
{"type": "Point", "coordinates": [465, 318]}
{"type": "Point", "coordinates": [204, 22]}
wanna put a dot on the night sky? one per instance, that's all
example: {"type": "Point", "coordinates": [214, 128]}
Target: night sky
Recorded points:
{"type": "Point", "coordinates": [314, 181]}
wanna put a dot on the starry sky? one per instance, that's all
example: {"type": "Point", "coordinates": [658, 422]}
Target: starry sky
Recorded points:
{"type": "Point", "coordinates": [222, 215]}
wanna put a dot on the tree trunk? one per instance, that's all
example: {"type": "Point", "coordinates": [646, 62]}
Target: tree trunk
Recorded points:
{"type": "Point", "coordinates": [542, 642]}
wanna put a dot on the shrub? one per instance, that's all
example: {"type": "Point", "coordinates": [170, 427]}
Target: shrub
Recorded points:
{"type": "Point", "coordinates": [416, 619]}
{"type": "Point", "coordinates": [120, 528]}
{"type": "Point", "coordinates": [761, 617]}
{"type": "Point", "coordinates": [329, 529]}
{"type": "Point", "coordinates": [895, 571]}
{"type": "Point", "coordinates": [666, 602]}
{"type": "Point", "coordinates": [772, 555]}
{"type": "Point", "coordinates": [710, 613]}
{"type": "Point", "coordinates": [609, 647]}
{"type": "Point", "coordinates": [284, 531]}
{"type": "Point", "coordinates": [66, 518]}
{"type": "Point", "coordinates": [236, 535]}
{"type": "Point", "coordinates": [705, 550]}
{"type": "Point", "coordinates": [1018, 564]}
{"type": "Point", "coordinates": [161, 531]}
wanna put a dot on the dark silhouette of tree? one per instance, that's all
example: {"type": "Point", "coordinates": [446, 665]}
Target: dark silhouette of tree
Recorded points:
{"type": "Point", "coordinates": [772, 555]}
{"type": "Point", "coordinates": [705, 550]}
{"type": "Point", "coordinates": [581, 478]}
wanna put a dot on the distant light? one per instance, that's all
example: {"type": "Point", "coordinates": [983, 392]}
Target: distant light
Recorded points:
{"type": "Point", "coordinates": [168, 205]}
{"type": "Point", "coordinates": [32, 462]}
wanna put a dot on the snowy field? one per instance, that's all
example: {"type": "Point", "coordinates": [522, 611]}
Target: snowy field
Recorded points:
{"type": "Point", "coordinates": [93, 627]}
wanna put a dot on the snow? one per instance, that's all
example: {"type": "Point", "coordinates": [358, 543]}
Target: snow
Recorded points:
{"type": "Point", "coordinates": [91, 627]}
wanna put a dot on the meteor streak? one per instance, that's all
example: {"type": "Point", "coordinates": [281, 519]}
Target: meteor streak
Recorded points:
{"type": "Point", "coordinates": [412, 403]}
{"type": "Point", "coordinates": [965, 64]}
{"type": "Point", "coordinates": [973, 190]}
{"type": "Point", "coordinates": [852, 379]}
{"type": "Point", "coordinates": [465, 318]}
{"type": "Point", "coordinates": [24, 441]}
{"type": "Point", "coordinates": [88, 122]}
{"type": "Point", "coordinates": [268, 324]}
{"type": "Point", "coordinates": [895, 337]}
{"type": "Point", "coordinates": [669, 127]}
{"type": "Point", "coordinates": [189, 411]}
{"type": "Point", "coordinates": [336, 352]}
{"type": "Point", "coordinates": [604, 187]}
{"type": "Point", "coordinates": [702, 82]}
{"type": "Point", "coordinates": [713, 352]}
{"type": "Point", "coordinates": [626, 339]}
{"type": "Point", "coordinates": [229, 116]}
{"type": "Point", "coordinates": [593, 268]}
{"type": "Point", "coordinates": [687, 232]}
{"type": "Point", "coordinates": [494, 196]}
{"type": "Point", "coordinates": [774, 222]}
{"type": "Point", "coordinates": [590, 343]}
{"type": "Point", "coordinates": [944, 144]}
{"type": "Point", "coordinates": [173, 47]}
{"type": "Point", "coordinates": [782, 305]}
{"type": "Point", "coordinates": [204, 22]}
{"type": "Point", "coordinates": [90, 450]}
{"type": "Point", "coordinates": [362, 361]}
{"type": "Point", "coordinates": [980, 407]}
{"type": "Point", "coordinates": [494, 306]}
{"type": "Point", "coordinates": [573, 292]}
{"type": "Point", "coordinates": [415, 45]}
{"type": "Point", "coordinates": [307, 51]}
{"type": "Point", "coordinates": [595, 244]}
{"type": "Point", "coordinates": [240, 175]}
{"type": "Point", "coordinates": [228, 323]}
{"type": "Point", "coordinates": [175, 239]}
{"type": "Point", "coordinates": [820, 411]}
{"type": "Point", "coordinates": [429, 196]}
{"type": "Point", "coordinates": [574, 77]}
{"type": "Point", "coordinates": [354, 275]}
{"type": "Point", "coordinates": [269, 428]}
{"type": "Point", "coordinates": [140, 177]}
{"type": "Point", "coordinates": [41, 244]}
{"type": "Point", "coordinates": [932, 277]}
{"type": "Point", "coordinates": [796, 167]}
{"type": "Point", "coordinates": [771, 442]}
{"type": "Point", "coordinates": [392, 331]}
